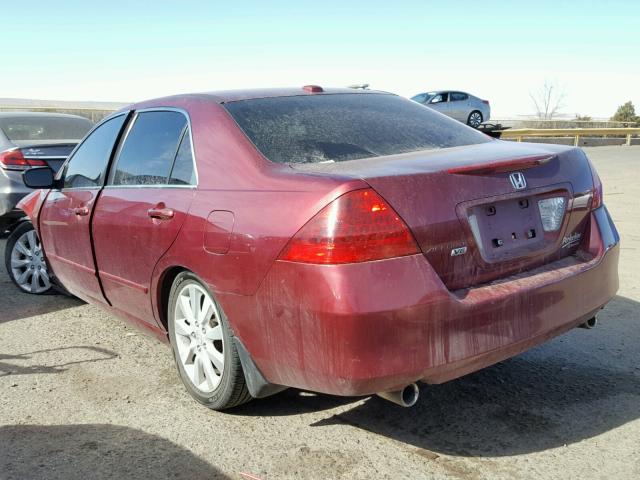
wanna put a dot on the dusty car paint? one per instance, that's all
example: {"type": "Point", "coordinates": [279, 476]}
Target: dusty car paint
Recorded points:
{"type": "Point", "coordinates": [345, 329]}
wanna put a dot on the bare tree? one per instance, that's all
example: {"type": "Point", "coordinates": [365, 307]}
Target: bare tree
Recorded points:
{"type": "Point", "coordinates": [548, 100]}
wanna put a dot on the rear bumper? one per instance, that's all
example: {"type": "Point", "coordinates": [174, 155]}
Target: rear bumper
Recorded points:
{"type": "Point", "coordinates": [363, 328]}
{"type": "Point", "coordinates": [12, 189]}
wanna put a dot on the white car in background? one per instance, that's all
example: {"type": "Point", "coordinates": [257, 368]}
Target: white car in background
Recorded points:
{"type": "Point", "coordinates": [459, 105]}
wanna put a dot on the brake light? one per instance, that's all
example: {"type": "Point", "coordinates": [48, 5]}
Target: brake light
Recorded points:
{"type": "Point", "coordinates": [598, 192]}
{"type": "Point", "coordinates": [486, 102]}
{"type": "Point", "coordinates": [14, 160]}
{"type": "Point", "coordinates": [313, 88]}
{"type": "Point", "coordinates": [501, 167]}
{"type": "Point", "coordinates": [359, 226]}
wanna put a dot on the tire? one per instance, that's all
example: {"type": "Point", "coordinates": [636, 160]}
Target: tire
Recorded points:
{"type": "Point", "coordinates": [205, 355]}
{"type": "Point", "coordinates": [25, 261]}
{"type": "Point", "coordinates": [475, 119]}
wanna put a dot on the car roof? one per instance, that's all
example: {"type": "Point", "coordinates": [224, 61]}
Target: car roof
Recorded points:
{"type": "Point", "coordinates": [444, 91]}
{"type": "Point", "coordinates": [225, 96]}
{"type": "Point", "coordinates": [20, 114]}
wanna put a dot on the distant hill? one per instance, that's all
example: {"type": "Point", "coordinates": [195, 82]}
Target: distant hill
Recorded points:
{"type": "Point", "coordinates": [23, 103]}
{"type": "Point", "coordinates": [94, 111]}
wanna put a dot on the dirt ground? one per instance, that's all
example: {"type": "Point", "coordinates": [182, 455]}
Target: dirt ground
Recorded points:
{"type": "Point", "coordinates": [83, 396]}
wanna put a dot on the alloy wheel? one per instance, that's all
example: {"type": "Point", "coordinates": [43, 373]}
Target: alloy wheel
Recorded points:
{"type": "Point", "coordinates": [28, 264]}
{"type": "Point", "coordinates": [199, 338]}
{"type": "Point", "coordinates": [475, 119]}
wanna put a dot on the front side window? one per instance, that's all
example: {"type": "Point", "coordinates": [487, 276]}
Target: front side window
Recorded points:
{"type": "Point", "coordinates": [148, 152]}
{"type": "Point", "coordinates": [439, 98]}
{"type": "Point", "coordinates": [349, 126]}
{"type": "Point", "coordinates": [86, 168]}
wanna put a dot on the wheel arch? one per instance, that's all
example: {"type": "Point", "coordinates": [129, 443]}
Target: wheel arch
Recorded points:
{"type": "Point", "coordinates": [7, 226]}
{"type": "Point", "coordinates": [257, 384]}
{"type": "Point", "coordinates": [164, 289]}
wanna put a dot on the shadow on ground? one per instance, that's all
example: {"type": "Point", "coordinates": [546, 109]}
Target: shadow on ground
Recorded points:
{"type": "Point", "coordinates": [16, 304]}
{"type": "Point", "coordinates": [69, 452]}
{"type": "Point", "coordinates": [557, 394]}
{"type": "Point", "coordinates": [88, 354]}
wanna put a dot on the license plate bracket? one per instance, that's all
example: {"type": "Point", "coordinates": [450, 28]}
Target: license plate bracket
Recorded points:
{"type": "Point", "coordinates": [507, 228]}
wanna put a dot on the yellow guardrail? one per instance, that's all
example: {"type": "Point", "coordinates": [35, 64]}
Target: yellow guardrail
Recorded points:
{"type": "Point", "coordinates": [520, 133]}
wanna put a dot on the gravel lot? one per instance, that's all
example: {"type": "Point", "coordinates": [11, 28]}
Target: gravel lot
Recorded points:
{"type": "Point", "coordinates": [82, 396]}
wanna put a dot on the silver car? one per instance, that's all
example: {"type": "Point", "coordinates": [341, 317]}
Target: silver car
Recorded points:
{"type": "Point", "coordinates": [32, 139]}
{"type": "Point", "coordinates": [459, 105]}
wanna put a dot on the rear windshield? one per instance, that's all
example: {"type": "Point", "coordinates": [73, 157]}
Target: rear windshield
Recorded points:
{"type": "Point", "coordinates": [44, 128]}
{"type": "Point", "coordinates": [338, 127]}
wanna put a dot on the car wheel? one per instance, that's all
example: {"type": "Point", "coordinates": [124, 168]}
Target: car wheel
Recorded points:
{"type": "Point", "coordinates": [203, 347]}
{"type": "Point", "coordinates": [25, 260]}
{"type": "Point", "coordinates": [475, 119]}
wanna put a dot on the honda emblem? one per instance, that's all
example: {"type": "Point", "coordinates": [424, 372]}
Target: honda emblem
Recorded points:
{"type": "Point", "coordinates": [518, 181]}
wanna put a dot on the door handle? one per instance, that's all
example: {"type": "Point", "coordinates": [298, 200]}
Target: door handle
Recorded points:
{"type": "Point", "coordinates": [161, 213]}
{"type": "Point", "coordinates": [81, 211]}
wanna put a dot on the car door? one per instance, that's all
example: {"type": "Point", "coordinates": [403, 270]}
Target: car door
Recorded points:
{"type": "Point", "coordinates": [66, 213]}
{"type": "Point", "coordinates": [440, 102]}
{"type": "Point", "coordinates": [141, 209]}
{"type": "Point", "coordinates": [459, 106]}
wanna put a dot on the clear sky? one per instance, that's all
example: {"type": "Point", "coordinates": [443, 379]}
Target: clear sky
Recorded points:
{"type": "Point", "coordinates": [131, 50]}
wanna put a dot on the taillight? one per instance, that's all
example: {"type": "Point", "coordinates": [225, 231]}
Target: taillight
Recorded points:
{"type": "Point", "coordinates": [359, 226]}
{"type": "Point", "coordinates": [486, 102]}
{"type": "Point", "coordinates": [596, 200]}
{"type": "Point", "coordinates": [14, 160]}
{"type": "Point", "coordinates": [313, 88]}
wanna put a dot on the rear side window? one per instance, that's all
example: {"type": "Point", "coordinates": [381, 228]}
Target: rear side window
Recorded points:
{"type": "Point", "coordinates": [338, 127]}
{"type": "Point", "coordinates": [458, 96]}
{"type": "Point", "coordinates": [148, 152]}
{"type": "Point", "coordinates": [183, 172]}
{"type": "Point", "coordinates": [86, 168]}
{"type": "Point", "coordinates": [24, 129]}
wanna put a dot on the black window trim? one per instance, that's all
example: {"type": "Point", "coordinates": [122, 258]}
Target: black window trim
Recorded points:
{"type": "Point", "coordinates": [132, 121]}
{"type": "Point", "coordinates": [63, 168]}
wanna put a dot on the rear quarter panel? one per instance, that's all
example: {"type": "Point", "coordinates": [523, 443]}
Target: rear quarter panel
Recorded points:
{"type": "Point", "coordinates": [268, 202]}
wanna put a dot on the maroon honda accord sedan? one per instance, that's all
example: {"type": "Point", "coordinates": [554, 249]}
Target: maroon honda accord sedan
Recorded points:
{"type": "Point", "coordinates": [339, 241]}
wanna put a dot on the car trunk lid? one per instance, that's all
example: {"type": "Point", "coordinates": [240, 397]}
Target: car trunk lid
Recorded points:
{"type": "Point", "coordinates": [52, 153]}
{"type": "Point", "coordinates": [471, 221]}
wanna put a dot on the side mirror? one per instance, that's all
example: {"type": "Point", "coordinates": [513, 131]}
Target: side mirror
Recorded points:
{"type": "Point", "coordinates": [41, 177]}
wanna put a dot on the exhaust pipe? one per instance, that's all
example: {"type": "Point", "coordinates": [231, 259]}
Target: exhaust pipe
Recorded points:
{"type": "Point", "coordinates": [591, 323]}
{"type": "Point", "coordinates": [406, 397]}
